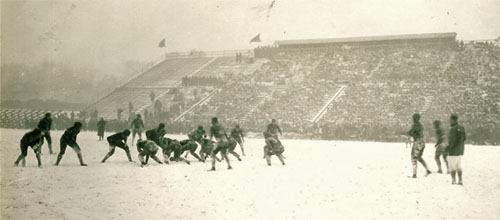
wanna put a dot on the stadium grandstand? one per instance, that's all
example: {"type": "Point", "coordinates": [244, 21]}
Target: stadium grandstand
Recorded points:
{"type": "Point", "coordinates": [321, 88]}
{"type": "Point", "coordinates": [435, 38]}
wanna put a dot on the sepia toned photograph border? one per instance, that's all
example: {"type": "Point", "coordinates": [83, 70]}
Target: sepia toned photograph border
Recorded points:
{"type": "Point", "coordinates": [259, 109]}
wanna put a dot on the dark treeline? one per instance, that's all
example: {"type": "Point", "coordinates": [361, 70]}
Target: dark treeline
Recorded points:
{"type": "Point", "coordinates": [44, 85]}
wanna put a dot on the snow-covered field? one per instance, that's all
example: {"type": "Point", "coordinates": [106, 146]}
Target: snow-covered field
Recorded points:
{"type": "Point", "coordinates": [322, 180]}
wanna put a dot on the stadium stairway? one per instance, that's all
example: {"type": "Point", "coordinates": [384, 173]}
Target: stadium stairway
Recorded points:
{"type": "Point", "coordinates": [429, 98]}
{"type": "Point", "coordinates": [324, 109]}
{"type": "Point", "coordinates": [214, 68]}
{"type": "Point", "coordinates": [200, 102]}
{"type": "Point", "coordinates": [203, 67]}
{"type": "Point", "coordinates": [263, 97]}
{"type": "Point", "coordinates": [450, 62]}
{"type": "Point", "coordinates": [427, 104]}
{"type": "Point", "coordinates": [379, 64]}
{"type": "Point", "coordinates": [142, 108]}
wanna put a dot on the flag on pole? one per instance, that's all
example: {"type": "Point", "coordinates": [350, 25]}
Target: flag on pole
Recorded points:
{"type": "Point", "coordinates": [256, 39]}
{"type": "Point", "coordinates": [270, 7]}
{"type": "Point", "coordinates": [162, 43]}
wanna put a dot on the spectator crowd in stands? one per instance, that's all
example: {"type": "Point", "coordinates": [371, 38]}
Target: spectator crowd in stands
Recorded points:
{"type": "Point", "coordinates": [384, 87]}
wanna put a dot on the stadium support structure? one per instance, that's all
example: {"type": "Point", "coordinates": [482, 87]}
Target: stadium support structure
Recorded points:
{"type": "Point", "coordinates": [203, 100]}
{"type": "Point", "coordinates": [142, 108]}
{"type": "Point", "coordinates": [324, 109]}
{"type": "Point", "coordinates": [158, 76]}
{"type": "Point", "coordinates": [202, 67]}
{"type": "Point", "coordinates": [15, 118]}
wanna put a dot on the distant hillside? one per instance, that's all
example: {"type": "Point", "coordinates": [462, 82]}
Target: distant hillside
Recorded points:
{"type": "Point", "coordinates": [56, 81]}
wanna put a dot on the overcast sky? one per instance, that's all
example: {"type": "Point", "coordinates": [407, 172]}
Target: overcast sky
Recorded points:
{"type": "Point", "coordinates": [106, 33]}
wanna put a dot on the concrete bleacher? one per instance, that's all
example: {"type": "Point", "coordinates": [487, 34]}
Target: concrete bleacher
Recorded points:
{"type": "Point", "coordinates": [197, 104]}
{"type": "Point", "coordinates": [230, 107]}
{"type": "Point", "coordinates": [213, 70]}
{"type": "Point", "coordinates": [159, 80]}
{"type": "Point", "coordinates": [227, 65]}
{"type": "Point", "coordinates": [15, 118]}
{"type": "Point", "coordinates": [168, 72]}
{"type": "Point", "coordinates": [120, 98]}
{"type": "Point", "coordinates": [165, 76]}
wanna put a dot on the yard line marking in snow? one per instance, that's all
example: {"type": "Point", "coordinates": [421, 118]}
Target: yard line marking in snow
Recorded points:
{"type": "Point", "coordinates": [13, 181]}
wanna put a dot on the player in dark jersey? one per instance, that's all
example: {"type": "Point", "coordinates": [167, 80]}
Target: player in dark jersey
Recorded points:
{"type": "Point", "coordinates": [177, 148]}
{"type": "Point", "coordinates": [273, 128]}
{"type": "Point", "coordinates": [273, 147]}
{"type": "Point", "coordinates": [31, 139]}
{"type": "Point", "coordinates": [164, 146]}
{"type": "Point", "coordinates": [101, 126]}
{"type": "Point", "coordinates": [137, 126]}
{"type": "Point", "coordinates": [147, 148]}
{"type": "Point", "coordinates": [218, 131]}
{"type": "Point", "coordinates": [231, 146]}
{"type": "Point", "coordinates": [272, 131]}
{"type": "Point", "coordinates": [440, 146]}
{"type": "Point", "coordinates": [156, 135]}
{"type": "Point", "coordinates": [190, 147]}
{"type": "Point", "coordinates": [237, 135]}
{"type": "Point", "coordinates": [44, 125]}
{"type": "Point", "coordinates": [118, 140]}
{"type": "Point", "coordinates": [456, 148]}
{"type": "Point", "coordinates": [196, 136]}
{"type": "Point", "coordinates": [69, 138]}
{"type": "Point", "coordinates": [207, 146]}
{"type": "Point", "coordinates": [417, 150]}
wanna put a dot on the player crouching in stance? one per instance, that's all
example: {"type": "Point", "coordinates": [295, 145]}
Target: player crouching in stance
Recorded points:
{"type": "Point", "coordinates": [456, 140]}
{"type": "Point", "coordinates": [155, 135]}
{"type": "Point", "coordinates": [190, 147]}
{"type": "Point", "coordinates": [440, 146]}
{"type": "Point", "coordinates": [163, 143]}
{"type": "Point", "coordinates": [31, 139]}
{"type": "Point", "coordinates": [196, 136]}
{"type": "Point", "coordinates": [177, 148]}
{"type": "Point", "coordinates": [147, 148]}
{"type": "Point", "coordinates": [118, 140]}
{"type": "Point", "coordinates": [217, 131]}
{"type": "Point", "coordinates": [273, 147]}
{"type": "Point", "coordinates": [69, 138]}
{"type": "Point", "coordinates": [418, 147]}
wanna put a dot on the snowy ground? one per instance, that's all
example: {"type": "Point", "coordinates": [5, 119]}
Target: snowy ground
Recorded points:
{"type": "Point", "coordinates": [322, 180]}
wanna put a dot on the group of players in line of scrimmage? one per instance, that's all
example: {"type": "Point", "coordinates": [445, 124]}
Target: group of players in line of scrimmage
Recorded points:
{"type": "Point", "coordinates": [172, 149]}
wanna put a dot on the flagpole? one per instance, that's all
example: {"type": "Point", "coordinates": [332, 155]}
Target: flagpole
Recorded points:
{"type": "Point", "coordinates": [165, 49]}
{"type": "Point", "coordinates": [165, 52]}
